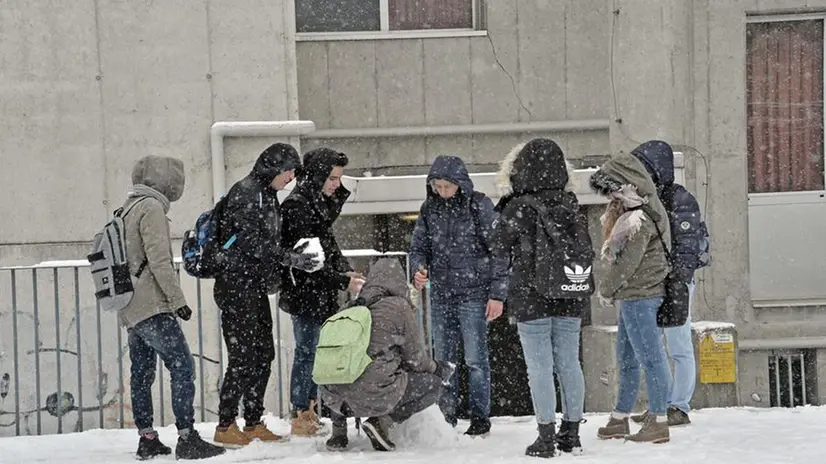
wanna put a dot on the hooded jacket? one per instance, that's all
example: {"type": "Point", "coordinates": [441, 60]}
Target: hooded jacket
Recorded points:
{"type": "Point", "coordinates": [536, 170]}
{"type": "Point", "coordinates": [309, 213]}
{"type": "Point", "coordinates": [452, 239]}
{"type": "Point", "coordinates": [689, 235]}
{"type": "Point", "coordinates": [637, 262]}
{"type": "Point", "coordinates": [396, 346]}
{"type": "Point", "coordinates": [252, 214]}
{"type": "Point", "coordinates": [157, 181]}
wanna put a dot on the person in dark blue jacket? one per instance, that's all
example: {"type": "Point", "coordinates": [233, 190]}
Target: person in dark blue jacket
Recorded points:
{"type": "Point", "coordinates": [451, 249]}
{"type": "Point", "coordinates": [689, 238]}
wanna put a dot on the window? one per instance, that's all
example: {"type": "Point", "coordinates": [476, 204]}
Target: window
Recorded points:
{"type": "Point", "coordinates": [784, 71]}
{"type": "Point", "coordinates": [383, 15]}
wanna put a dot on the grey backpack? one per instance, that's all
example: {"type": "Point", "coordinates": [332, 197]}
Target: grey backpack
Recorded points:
{"type": "Point", "coordinates": [110, 268]}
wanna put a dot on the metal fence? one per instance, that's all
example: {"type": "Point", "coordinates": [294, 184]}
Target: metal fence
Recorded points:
{"type": "Point", "coordinates": [63, 363]}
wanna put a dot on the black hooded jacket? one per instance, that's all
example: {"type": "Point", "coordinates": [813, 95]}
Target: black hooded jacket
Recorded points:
{"type": "Point", "coordinates": [252, 215]}
{"type": "Point", "coordinates": [689, 235]}
{"type": "Point", "coordinates": [537, 171]}
{"type": "Point", "coordinates": [309, 213]}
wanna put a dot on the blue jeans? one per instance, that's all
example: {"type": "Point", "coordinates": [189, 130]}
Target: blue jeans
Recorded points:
{"type": "Point", "coordinates": [463, 322]}
{"type": "Point", "coordinates": [161, 335]}
{"type": "Point", "coordinates": [639, 342]}
{"type": "Point", "coordinates": [302, 387]}
{"type": "Point", "coordinates": [552, 345]}
{"type": "Point", "coordinates": [681, 350]}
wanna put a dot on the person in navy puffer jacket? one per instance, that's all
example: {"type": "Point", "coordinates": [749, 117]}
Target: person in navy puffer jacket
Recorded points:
{"type": "Point", "coordinates": [451, 249]}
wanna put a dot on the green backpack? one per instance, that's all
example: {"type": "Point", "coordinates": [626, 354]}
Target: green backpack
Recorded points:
{"type": "Point", "coordinates": [341, 356]}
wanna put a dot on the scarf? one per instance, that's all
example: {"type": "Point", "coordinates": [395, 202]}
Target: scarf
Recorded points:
{"type": "Point", "coordinates": [621, 221]}
{"type": "Point", "coordinates": [140, 190]}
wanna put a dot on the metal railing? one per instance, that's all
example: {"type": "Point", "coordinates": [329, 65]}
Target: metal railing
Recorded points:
{"type": "Point", "coordinates": [57, 344]}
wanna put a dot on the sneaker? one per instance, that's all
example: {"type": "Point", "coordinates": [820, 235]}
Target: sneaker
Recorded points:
{"type": "Point", "coordinates": [150, 446]}
{"type": "Point", "coordinates": [640, 418]}
{"type": "Point", "coordinates": [231, 436]}
{"type": "Point", "coordinates": [478, 428]}
{"type": "Point", "coordinates": [615, 428]}
{"type": "Point", "coordinates": [652, 431]}
{"type": "Point", "coordinates": [376, 429]}
{"type": "Point", "coordinates": [567, 440]}
{"type": "Point", "coordinates": [676, 417]}
{"type": "Point", "coordinates": [543, 447]}
{"type": "Point", "coordinates": [261, 432]}
{"type": "Point", "coordinates": [338, 441]}
{"type": "Point", "coordinates": [192, 446]}
{"type": "Point", "coordinates": [305, 424]}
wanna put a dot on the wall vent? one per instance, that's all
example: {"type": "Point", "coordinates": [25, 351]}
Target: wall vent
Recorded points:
{"type": "Point", "coordinates": [792, 378]}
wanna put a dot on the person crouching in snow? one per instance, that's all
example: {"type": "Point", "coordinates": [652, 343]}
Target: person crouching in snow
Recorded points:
{"type": "Point", "coordinates": [635, 280]}
{"type": "Point", "coordinates": [402, 378]}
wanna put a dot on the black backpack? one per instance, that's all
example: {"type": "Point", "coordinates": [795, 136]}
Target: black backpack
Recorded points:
{"type": "Point", "coordinates": [564, 256]}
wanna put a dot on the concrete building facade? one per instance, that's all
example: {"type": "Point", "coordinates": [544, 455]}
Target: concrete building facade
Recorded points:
{"type": "Point", "coordinates": [90, 86]}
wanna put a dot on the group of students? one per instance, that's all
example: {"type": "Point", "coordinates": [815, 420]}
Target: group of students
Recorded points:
{"type": "Point", "coordinates": [478, 260]}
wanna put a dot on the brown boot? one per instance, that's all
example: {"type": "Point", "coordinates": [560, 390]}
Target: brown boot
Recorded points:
{"type": "Point", "coordinates": [305, 424]}
{"type": "Point", "coordinates": [230, 437]}
{"type": "Point", "coordinates": [615, 428]}
{"type": "Point", "coordinates": [652, 431]}
{"type": "Point", "coordinates": [322, 430]}
{"type": "Point", "coordinates": [261, 432]}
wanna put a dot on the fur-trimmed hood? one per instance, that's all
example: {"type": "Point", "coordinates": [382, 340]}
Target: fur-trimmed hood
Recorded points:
{"type": "Point", "coordinates": [533, 166]}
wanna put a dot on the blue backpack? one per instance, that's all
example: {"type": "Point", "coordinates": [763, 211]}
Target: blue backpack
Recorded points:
{"type": "Point", "coordinates": [201, 251]}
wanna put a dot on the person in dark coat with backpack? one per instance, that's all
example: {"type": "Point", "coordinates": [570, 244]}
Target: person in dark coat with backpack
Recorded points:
{"type": "Point", "coordinates": [250, 231]}
{"type": "Point", "coordinates": [402, 378]}
{"type": "Point", "coordinates": [537, 190]}
{"type": "Point", "coordinates": [689, 240]}
{"type": "Point", "coordinates": [451, 249]}
{"type": "Point", "coordinates": [151, 316]}
{"type": "Point", "coordinates": [311, 297]}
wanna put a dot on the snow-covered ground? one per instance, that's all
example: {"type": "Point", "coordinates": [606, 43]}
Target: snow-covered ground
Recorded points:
{"type": "Point", "coordinates": [725, 436]}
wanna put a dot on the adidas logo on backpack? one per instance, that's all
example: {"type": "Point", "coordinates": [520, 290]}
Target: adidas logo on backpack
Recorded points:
{"type": "Point", "coordinates": [578, 276]}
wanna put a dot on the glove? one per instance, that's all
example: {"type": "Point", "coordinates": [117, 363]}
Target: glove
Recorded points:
{"type": "Point", "coordinates": [444, 370]}
{"type": "Point", "coordinates": [184, 312]}
{"type": "Point", "coordinates": [302, 261]}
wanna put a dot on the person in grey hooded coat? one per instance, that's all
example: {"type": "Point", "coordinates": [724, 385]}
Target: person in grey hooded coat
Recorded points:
{"type": "Point", "coordinates": [150, 317]}
{"type": "Point", "coordinates": [403, 378]}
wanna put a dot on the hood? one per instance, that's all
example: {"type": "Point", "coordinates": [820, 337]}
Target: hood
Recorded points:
{"type": "Point", "coordinates": [534, 166]}
{"type": "Point", "coordinates": [658, 159]}
{"type": "Point", "coordinates": [277, 158]}
{"type": "Point", "coordinates": [623, 169]}
{"type": "Point", "coordinates": [316, 168]}
{"type": "Point", "coordinates": [452, 169]}
{"type": "Point", "coordinates": [162, 173]}
{"type": "Point", "coordinates": [385, 278]}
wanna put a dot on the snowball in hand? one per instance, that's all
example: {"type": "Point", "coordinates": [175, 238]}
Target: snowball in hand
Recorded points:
{"type": "Point", "coordinates": [313, 247]}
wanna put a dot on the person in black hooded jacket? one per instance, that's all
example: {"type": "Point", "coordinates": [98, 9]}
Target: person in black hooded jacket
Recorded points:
{"type": "Point", "coordinates": [531, 174]}
{"type": "Point", "coordinates": [250, 227]}
{"type": "Point", "coordinates": [311, 297]}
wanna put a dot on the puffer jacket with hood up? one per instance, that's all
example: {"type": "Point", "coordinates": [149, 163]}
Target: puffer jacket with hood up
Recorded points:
{"type": "Point", "coordinates": [252, 214]}
{"type": "Point", "coordinates": [452, 239]}
{"type": "Point", "coordinates": [157, 182]}
{"type": "Point", "coordinates": [536, 170]}
{"type": "Point", "coordinates": [689, 234]}
{"type": "Point", "coordinates": [396, 346]}
{"type": "Point", "coordinates": [637, 262]}
{"type": "Point", "coordinates": [309, 213]}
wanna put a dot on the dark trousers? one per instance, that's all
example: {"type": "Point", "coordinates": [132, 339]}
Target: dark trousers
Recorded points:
{"type": "Point", "coordinates": [161, 335]}
{"type": "Point", "coordinates": [246, 322]}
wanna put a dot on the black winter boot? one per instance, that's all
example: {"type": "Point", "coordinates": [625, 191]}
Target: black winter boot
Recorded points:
{"type": "Point", "coordinates": [191, 446]}
{"type": "Point", "coordinates": [338, 441]}
{"type": "Point", "coordinates": [543, 447]}
{"type": "Point", "coordinates": [567, 440]}
{"type": "Point", "coordinates": [377, 430]}
{"type": "Point", "coordinates": [150, 446]}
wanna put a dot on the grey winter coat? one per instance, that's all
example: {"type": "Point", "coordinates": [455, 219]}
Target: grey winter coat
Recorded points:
{"type": "Point", "coordinates": [158, 181]}
{"type": "Point", "coordinates": [396, 346]}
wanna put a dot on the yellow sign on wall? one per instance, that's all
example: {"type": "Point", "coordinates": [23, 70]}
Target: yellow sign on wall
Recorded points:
{"type": "Point", "coordinates": [718, 360]}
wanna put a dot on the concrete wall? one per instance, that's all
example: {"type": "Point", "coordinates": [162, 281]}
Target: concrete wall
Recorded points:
{"type": "Point", "coordinates": [556, 53]}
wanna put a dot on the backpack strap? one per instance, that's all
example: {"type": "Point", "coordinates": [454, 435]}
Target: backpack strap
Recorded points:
{"type": "Point", "coordinates": [654, 216]}
{"type": "Point", "coordinates": [122, 214]}
{"type": "Point", "coordinates": [543, 214]}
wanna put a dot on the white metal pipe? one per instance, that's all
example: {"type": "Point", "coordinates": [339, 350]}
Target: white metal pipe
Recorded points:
{"type": "Point", "coordinates": [495, 128]}
{"type": "Point", "coordinates": [223, 129]}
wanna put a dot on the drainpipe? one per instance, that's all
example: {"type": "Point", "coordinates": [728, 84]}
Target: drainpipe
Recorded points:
{"type": "Point", "coordinates": [223, 129]}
